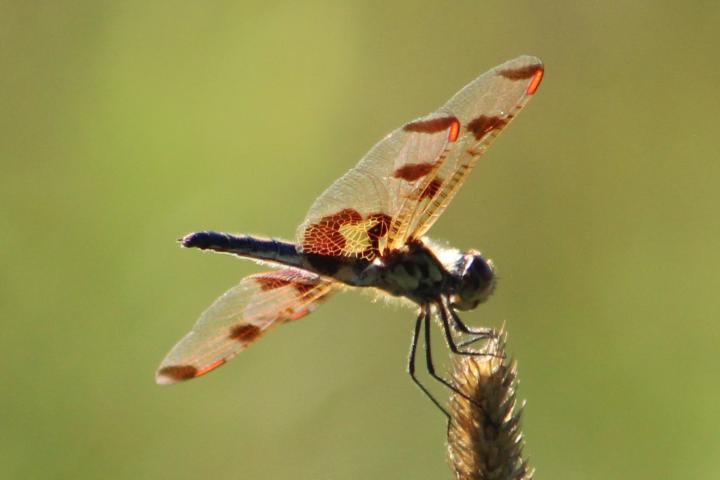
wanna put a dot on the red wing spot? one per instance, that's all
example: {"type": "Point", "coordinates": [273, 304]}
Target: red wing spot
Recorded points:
{"type": "Point", "coordinates": [413, 171]}
{"type": "Point", "coordinates": [433, 125]}
{"type": "Point", "coordinates": [179, 373]}
{"type": "Point", "coordinates": [454, 131]}
{"type": "Point", "coordinates": [535, 82]}
{"type": "Point", "coordinates": [210, 367]}
{"type": "Point", "coordinates": [484, 124]}
{"type": "Point", "coordinates": [292, 315]}
{"type": "Point", "coordinates": [522, 73]}
{"type": "Point", "coordinates": [432, 189]}
{"type": "Point", "coordinates": [245, 333]}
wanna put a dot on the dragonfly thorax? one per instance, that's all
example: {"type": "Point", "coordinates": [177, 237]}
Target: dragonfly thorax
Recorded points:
{"type": "Point", "coordinates": [413, 272]}
{"type": "Point", "coordinates": [426, 273]}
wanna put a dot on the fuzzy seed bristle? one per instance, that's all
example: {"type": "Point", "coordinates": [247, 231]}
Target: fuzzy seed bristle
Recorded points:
{"type": "Point", "coordinates": [484, 436]}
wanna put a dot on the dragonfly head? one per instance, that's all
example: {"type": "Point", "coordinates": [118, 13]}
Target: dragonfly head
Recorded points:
{"type": "Point", "coordinates": [475, 277]}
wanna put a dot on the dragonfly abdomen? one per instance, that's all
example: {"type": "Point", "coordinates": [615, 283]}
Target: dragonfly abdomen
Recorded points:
{"type": "Point", "coordinates": [268, 249]}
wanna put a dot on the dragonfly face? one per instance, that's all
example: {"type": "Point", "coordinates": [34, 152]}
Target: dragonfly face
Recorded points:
{"type": "Point", "coordinates": [368, 230]}
{"type": "Point", "coordinates": [474, 279]}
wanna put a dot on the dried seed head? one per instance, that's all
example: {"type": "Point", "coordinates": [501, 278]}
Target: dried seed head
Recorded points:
{"type": "Point", "coordinates": [484, 437]}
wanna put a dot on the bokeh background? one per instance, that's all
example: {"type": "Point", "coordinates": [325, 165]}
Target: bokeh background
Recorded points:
{"type": "Point", "coordinates": [125, 125]}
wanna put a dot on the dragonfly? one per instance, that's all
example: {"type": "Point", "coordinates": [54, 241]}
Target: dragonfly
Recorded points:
{"type": "Point", "coordinates": [367, 230]}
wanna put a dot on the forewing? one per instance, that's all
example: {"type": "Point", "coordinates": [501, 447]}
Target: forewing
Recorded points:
{"type": "Point", "coordinates": [484, 108]}
{"type": "Point", "coordinates": [357, 216]}
{"type": "Point", "coordinates": [241, 316]}
{"type": "Point", "coordinates": [404, 183]}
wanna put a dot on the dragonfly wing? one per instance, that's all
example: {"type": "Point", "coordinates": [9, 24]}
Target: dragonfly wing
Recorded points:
{"type": "Point", "coordinates": [241, 316]}
{"type": "Point", "coordinates": [484, 108]}
{"type": "Point", "coordinates": [358, 215]}
{"type": "Point", "coordinates": [405, 182]}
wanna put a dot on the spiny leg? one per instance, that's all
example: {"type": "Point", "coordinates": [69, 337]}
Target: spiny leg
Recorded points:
{"type": "Point", "coordinates": [477, 334]}
{"type": "Point", "coordinates": [470, 341]}
{"type": "Point", "coordinates": [460, 325]}
{"type": "Point", "coordinates": [411, 362]}
{"type": "Point", "coordinates": [448, 334]}
{"type": "Point", "coordinates": [482, 334]}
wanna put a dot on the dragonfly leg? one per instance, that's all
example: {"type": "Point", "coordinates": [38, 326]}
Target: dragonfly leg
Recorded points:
{"type": "Point", "coordinates": [431, 366]}
{"type": "Point", "coordinates": [454, 348]}
{"type": "Point", "coordinates": [411, 362]}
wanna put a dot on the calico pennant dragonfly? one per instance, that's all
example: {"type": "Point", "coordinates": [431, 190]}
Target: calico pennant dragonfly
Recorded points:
{"type": "Point", "coordinates": [367, 230]}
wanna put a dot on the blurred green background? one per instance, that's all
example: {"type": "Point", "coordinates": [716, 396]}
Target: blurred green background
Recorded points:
{"type": "Point", "coordinates": [128, 124]}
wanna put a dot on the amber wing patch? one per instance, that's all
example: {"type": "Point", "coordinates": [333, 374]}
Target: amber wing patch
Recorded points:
{"type": "Point", "coordinates": [347, 233]}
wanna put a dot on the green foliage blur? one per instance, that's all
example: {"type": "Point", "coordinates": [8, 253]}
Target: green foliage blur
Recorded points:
{"type": "Point", "coordinates": [125, 125]}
